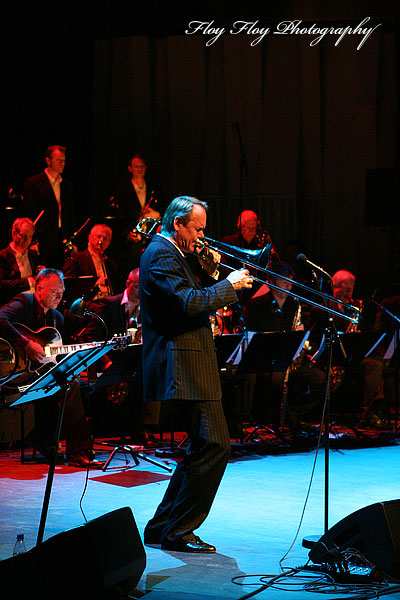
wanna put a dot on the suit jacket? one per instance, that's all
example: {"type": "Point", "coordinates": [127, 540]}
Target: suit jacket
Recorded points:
{"type": "Point", "coordinates": [11, 282]}
{"type": "Point", "coordinates": [38, 195]}
{"type": "Point", "coordinates": [81, 263]}
{"type": "Point", "coordinates": [128, 204]}
{"type": "Point", "coordinates": [179, 359]}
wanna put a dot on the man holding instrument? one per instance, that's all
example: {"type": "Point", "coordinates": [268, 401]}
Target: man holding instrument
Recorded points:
{"type": "Point", "coordinates": [49, 200]}
{"type": "Point", "coordinates": [179, 364]}
{"type": "Point", "coordinates": [36, 311]}
{"type": "Point", "coordinates": [94, 261]}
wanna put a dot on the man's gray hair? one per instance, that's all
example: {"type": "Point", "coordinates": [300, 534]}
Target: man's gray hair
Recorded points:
{"type": "Point", "coordinates": [180, 207]}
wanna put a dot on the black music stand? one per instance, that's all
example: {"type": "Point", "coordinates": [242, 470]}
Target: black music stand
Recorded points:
{"type": "Point", "coordinates": [56, 379]}
{"type": "Point", "coordinates": [267, 352]}
{"type": "Point", "coordinates": [126, 361]}
{"type": "Point", "coordinates": [226, 346]}
{"type": "Point", "coordinates": [357, 345]}
{"type": "Point", "coordinates": [272, 351]}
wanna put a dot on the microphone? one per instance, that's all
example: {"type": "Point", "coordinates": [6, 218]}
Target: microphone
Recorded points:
{"type": "Point", "coordinates": [78, 308]}
{"type": "Point", "coordinates": [303, 258]}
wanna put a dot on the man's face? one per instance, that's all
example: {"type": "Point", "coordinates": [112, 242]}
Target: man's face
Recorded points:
{"type": "Point", "coordinates": [344, 290]}
{"type": "Point", "coordinates": [248, 230]}
{"type": "Point", "coordinates": [283, 284]}
{"type": "Point", "coordinates": [187, 234]}
{"type": "Point", "coordinates": [56, 162]}
{"type": "Point", "coordinates": [22, 236]}
{"type": "Point", "coordinates": [99, 238]}
{"type": "Point", "coordinates": [49, 292]}
{"type": "Point", "coordinates": [137, 167]}
{"type": "Point", "coordinates": [132, 287]}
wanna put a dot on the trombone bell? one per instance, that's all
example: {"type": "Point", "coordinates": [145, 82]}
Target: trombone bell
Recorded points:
{"type": "Point", "coordinates": [259, 258]}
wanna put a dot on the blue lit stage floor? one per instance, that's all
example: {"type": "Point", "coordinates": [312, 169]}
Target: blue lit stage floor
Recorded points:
{"type": "Point", "coordinates": [254, 522]}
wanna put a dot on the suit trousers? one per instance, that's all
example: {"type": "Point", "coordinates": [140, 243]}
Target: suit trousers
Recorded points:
{"type": "Point", "coordinates": [194, 483]}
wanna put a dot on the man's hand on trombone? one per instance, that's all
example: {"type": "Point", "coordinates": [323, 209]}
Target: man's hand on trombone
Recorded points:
{"type": "Point", "coordinates": [240, 279]}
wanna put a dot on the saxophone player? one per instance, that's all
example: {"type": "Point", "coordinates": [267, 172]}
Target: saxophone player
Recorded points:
{"type": "Point", "coordinates": [278, 311]}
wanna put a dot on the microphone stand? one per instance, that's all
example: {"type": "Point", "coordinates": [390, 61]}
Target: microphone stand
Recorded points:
{"type": "Point", "coordinates": [332, 336]}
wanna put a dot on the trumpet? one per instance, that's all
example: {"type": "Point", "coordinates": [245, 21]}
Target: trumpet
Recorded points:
{"type": "Point", "coordinates": [258, 260]}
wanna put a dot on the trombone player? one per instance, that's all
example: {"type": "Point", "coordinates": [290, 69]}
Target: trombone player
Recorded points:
{"type": "Point", "coordinates": [179, 364]}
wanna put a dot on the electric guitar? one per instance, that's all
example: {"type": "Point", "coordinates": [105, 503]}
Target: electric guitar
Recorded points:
{"type": "Point", "coordinates": [50, 339]}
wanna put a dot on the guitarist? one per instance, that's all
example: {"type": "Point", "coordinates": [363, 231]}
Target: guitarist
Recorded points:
{"type": "Point", "coordinates": [36, 310]}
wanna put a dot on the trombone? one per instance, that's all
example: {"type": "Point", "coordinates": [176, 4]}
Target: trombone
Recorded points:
{"type": "Point", "coordinates": [258, 260]}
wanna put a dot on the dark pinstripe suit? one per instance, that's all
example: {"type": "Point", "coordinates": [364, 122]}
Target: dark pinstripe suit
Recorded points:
{"type": "Point", "coordinates": [179, 363]}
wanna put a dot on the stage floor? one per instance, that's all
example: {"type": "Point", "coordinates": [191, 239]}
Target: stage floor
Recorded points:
{"type": "Point", "coordinates": [269, 500]}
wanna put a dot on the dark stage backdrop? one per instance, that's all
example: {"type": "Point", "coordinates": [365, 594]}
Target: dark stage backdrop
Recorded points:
{"type": "Point", "coordinates": [312, 120]}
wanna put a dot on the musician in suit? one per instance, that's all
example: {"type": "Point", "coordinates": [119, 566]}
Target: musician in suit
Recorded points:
{"type": "Point", "coordinates": [137, 199]}
{"type": "Point", "coordinates": [121, 313]}
{"type": "Point", "coordinates": [19, 263]}
{"type": "Point", "coordinates": [356, 384]}
{"type": "Point", "coordinates": [179, 364]}
{"type": "Point", "coordinates": [52, 193]}
{"type": "Point", "coordinates": [94, 261]}
{"type": "Point", "coordinates": [386, 321]}
{"type": "Point", "coordinates": [36, 310]}
{"type": "Point", "coordinates": [275, 310]}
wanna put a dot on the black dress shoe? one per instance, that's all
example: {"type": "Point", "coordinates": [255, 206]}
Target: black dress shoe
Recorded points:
{"type": "Point", "coordinates": [194, 544]}
{"type": "Point", "coordinates": [152, 541]}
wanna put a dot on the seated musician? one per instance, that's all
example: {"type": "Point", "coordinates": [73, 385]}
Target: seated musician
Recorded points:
{"type": "Point", "coordinates": [385, 322]}
{"type": "Point", "coordinates": [250, 235]}
{"type": "Point", "coordinates": [368, 374]}
{"type": "Point", "coordinates": [277, 311]}
{"type": "Point", "coordinates": [19, 263]}
{"type": "Point", "coordinates": [121, 313]}
{"type": "Point", "coordinates": [94, 261]}
{"type": "Point", "coordinates": [20, 322]}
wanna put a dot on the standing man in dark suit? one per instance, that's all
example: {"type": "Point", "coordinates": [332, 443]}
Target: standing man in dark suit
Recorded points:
{"type": "Point", "coordinates": [179, 364]}
{"type": "Point", "coordinates": [138, 199]}
{"type": "Point", "coordinates": [53, 194]}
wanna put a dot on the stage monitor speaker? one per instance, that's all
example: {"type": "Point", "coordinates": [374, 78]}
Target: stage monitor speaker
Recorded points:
{"type": "Point", "coordinates": [373, 530]}
{"type": "Point", "coordinates": [382, 192]}
{"type": "Point", "coordinates": [104, 558]}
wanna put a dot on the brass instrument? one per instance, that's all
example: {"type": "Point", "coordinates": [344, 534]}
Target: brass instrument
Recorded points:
{"type": "Point", "coordinates": [263, 238]}
{"type": "Point", "coordinates": [297, 317]}
{"type": "Point", "coordinates": [104, 269]}
{"type": "Point", "coordinates": [69, 243]}
{"type": "Point", "coordinates": [355, 327]}
{"type": "Point", "coordinates": [293, 367]}
{"type": "Point", "coordinates": [258, 260]}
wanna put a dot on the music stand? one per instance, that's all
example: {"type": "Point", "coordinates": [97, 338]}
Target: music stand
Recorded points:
{"type": "Point", "coordinates": [272, 351]}
{"type": "Point", "coordinates": [226, 346]}
{"type": "Point", "coordinates": [126, 361]}
{"type": "Point", "coordinates": [357, 345]}
{"type": "Point", "coordinates": [56, 379]}
{"type": "Point", "coordinates": [268, 352]}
